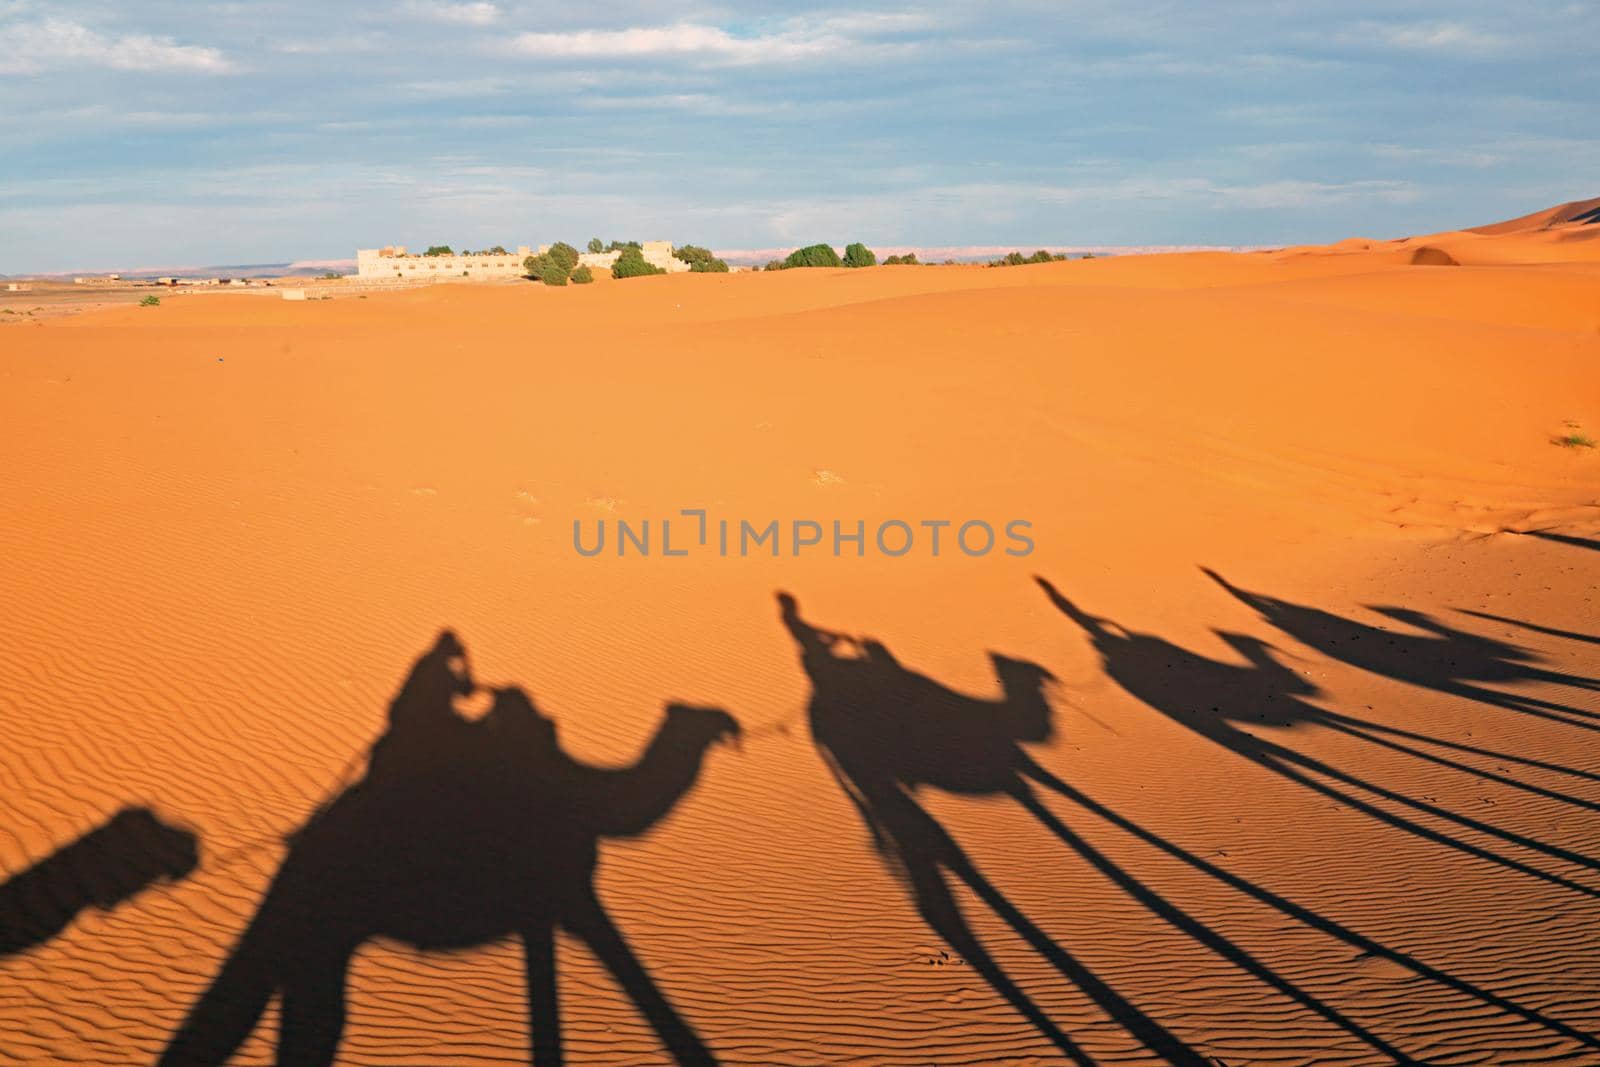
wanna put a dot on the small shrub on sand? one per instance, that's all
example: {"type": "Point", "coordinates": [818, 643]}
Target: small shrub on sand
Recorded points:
{"type": "Point", "coordinates": [857, 254]}
{"type": "Point", "coordinates": [907, 260]}
{"type": "Point", "coordinates": [552, 272]}
{"type": "Point", "coordinates": [564, 254]}
{"type": "Point", "coordinates": [582, 276]}
{"type": "Point", "coordinates": [700, 260]}
{"type": "Point", "coordinates": [632, 264]}
{"type": "Point", "coordinates": [813, 256]}
{"type": "Point", "coordinates": [150, 302]}
{"type": "Point", "coordinates": [1017, 259]}
{"type": "Point", "coordinates": [1576, 440]}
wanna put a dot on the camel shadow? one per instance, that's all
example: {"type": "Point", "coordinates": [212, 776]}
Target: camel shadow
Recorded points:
{"type": "Point", "coordinates": [1226, 703]}
{"type": "Point", "coordinates": [461, 833]}
{"type": "Point", "coordinates": [108, 865]}
{"type": "Point", "coordinates": [887, 732]}
{"type": "Point", "coordinates": [1437, 656]}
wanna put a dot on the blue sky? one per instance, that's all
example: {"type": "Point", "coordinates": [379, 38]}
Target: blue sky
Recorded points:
{"type": "Point", "coordinates": [178, 133]}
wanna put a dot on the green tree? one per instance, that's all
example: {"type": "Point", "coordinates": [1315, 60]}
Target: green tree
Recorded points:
{"type": "Point", "coordinates": [438, 250]}
{"type": "Point", "coordinates": [565, 255]}
{"type": "Point", "coordinates": [582, 276]}
{"type": "Point", "coordinates": [774, 264]}
{"type": "Point", "coordinates": [552, 272]}
{"type": "Point", "coordinates": [857, 254]}
{"type": "Point", "coordinates": [596, 245]}
{"type": "Point", "coordinates": [621, 246]}
{"type": "Point", "coordinates": [700, 260]}
{"type": "Point", "coordinates": [813, 256]}
{"type": "Point", "coordinates": [498, 250]}
{"type": "Point", "coordinates": [632, 264]}
{"type": "Point", "coordinates": [532, 265]}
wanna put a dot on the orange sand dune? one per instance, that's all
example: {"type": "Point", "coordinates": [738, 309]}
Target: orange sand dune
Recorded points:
{"type": "Point", "coordinates": [1313, 780]}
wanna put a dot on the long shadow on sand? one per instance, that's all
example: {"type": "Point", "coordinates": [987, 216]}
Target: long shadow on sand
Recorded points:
{"type": "Point", "coordinates": [461, 833]}
{"type": "Point", "coordinates": [1223, 702]}
{"type": "Point", "coordinates": [888, 732]}
{"type": "Point", "coordinates": [112, 863]}
{"type": "Point", "coordinates": [1226, 702]}
{"type": "Point", "coordinates": [1566, 539]}
{"type": "Point", "coordinates": [1438, 657]}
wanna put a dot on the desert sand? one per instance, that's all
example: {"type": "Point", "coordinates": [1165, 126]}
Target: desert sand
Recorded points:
{"type": "Point", "coordinates": [1290, 757]}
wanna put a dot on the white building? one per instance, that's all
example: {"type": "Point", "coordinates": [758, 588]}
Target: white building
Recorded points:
{"type": "Point", "coordinates": [392, 262]}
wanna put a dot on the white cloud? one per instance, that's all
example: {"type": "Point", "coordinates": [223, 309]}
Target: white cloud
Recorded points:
{"type": "Point", "coordinates": [1447, 37]}
{"type": "Point", "coordinates": [34, 46]}
{"type": "Point", "coordinates": [841, 38]}
{"type": "Point", "coordinates": [470, 14]}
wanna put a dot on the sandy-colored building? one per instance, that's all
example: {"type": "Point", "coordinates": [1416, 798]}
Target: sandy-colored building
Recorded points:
{"type": "Point", "coordinates": [656, 253]}
{"type": "Point", "coordinates": [393, 261]}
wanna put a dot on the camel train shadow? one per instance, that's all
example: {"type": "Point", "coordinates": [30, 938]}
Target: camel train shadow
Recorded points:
{"type": "Point", "coordinates": [461, 833]}
{"type": "Point", "coordinates": [888, 732]}
{"type": "Point", "coordinates": [1226, 703]}
{"type": "Point", "coordinates": [112, 863]}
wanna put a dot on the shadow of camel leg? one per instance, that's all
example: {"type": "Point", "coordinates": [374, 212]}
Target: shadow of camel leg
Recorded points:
{"type": "Point", "coordinates": [313, 1011]}
{"type": "Point", "coordinates": [1205, 935]}
{"type": "Point", "coordinates": [226, 1013]}
{"type": "Point", "coordinates": [939, 910]}
{"type": "Point", "coordinates": [544, 1001]}
{"type": "Point", "coordinates": [590, 922]}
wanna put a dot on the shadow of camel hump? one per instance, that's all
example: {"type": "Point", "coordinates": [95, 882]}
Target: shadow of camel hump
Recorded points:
{"type": "Point", "coordinates": [110, 864]}
{"type": "Point", "coordinates": [461, 833]}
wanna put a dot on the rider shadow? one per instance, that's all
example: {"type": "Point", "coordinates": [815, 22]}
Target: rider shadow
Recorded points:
{"type": "Point", "coordinates": [1225, 703]}
{"type": "Point", "coordinates": [1438, 657]}
{"type": "Point", "coordinates": [460, 834]}
{"type": "Point", "coordinates": [108, 865]}
{"type": "Point", "coordinates": [887, 732]}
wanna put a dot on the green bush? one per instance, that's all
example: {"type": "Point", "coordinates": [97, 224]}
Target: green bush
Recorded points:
{"type": "Point", "coordinates": [565, 255]}
{"type": "Point", "coordinates": [552, 272]}
{"type": "Point", "coordinates": [813, 256]}
{"type": "Point", "coordinates": [582, 276]}
{"type": "Point", "coordinates": [1017, 259]}
{"type": "Point", "coordinates": [632, 264]}
{"type": "Point", "coordinates": [857, 254]}
{"type": "Point", "coordinates": [774, 264]}
{"type": "Point", "coordinates": [596, 245]}
{"type": "Point", "coordinates": [150, 302]}
{"type": "Point", "coordinates": [438, 250]}
{"type": "Point", "coordinates": [907, 260]}
{"type": "Point", "coordinates": [621, 246]}
{"type": "Point", "coordinates": [498, 250]}
{"type": "Point", "coordinates": [700, 260]}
